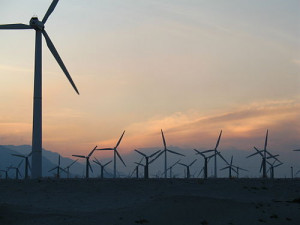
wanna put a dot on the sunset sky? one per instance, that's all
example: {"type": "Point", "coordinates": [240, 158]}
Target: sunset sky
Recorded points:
{"type": "Point", "coordinates": [189, 67]}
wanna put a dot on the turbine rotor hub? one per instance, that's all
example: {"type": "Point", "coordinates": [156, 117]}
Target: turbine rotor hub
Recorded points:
{"type": "Point", "coordinates": [36, 24]}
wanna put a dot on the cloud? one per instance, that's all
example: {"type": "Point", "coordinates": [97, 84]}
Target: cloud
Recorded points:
{"type": "Point", "coordinates": [243, 127]}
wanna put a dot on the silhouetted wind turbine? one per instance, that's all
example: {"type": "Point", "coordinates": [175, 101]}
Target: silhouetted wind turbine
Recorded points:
{"type": "Point", "coordinates": [206, 159]}
{"type": "Point", "coordinates": [171, 167]}
{"type": "Point", "coordinates": [39, 27]}
{"type": "Point", "coordinates": [116, 153]}
{"type": "Point", "coordinates": [88, 165]}
{"type": "Point", "coordinates": [271, 169]}
{"type": "Point", "coordinates": [188, 174]}
{"type": "Point", "coordinates": [216, 153]}
{"type": "Point", "coordinates": [27, 164]}
{"type": "Point", "coordinates": [263, 153]}
{"type": "Point", "coordinates": [230, 168]}
{"type": "Point", "coordinates": [146, 166]}
{"type": "Point", "coordinates": [165, 151]}
{"type": "Point", "coordinates": [67, 168]}
{"type": "Point", "coordinates": [102, 166]}
{"type": "Point", "coordinates": [16, 169]}
{"type": "Point", "coordinates": [58, 168]}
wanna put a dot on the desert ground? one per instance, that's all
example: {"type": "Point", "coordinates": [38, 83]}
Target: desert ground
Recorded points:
{"type": "Point", "coordinates": [153, 201]}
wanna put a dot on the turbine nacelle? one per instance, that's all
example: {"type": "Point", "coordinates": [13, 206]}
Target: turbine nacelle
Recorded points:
{"type": "Point", "coordinates": [36, 24]}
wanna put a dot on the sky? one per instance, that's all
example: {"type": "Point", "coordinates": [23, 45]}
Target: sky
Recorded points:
{"type": "Point", "coordinates": [191, 68]}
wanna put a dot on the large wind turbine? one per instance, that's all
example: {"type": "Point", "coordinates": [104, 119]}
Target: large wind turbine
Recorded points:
{"type": "Point", "coordinates": [17, 169]}
{"type": "Point", "coordinates": [39, 27]}
{"type": "Point", "coordinates": [88, 165]}
{"type": "Point", "coordinates": [165, 151]}
{"type": "Point", "coordinates": [116, 153]}
{"type": "Point", "coordinates": [27, 164]}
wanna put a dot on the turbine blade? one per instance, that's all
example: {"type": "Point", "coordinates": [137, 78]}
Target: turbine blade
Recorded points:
{"type": "Point", "coordinates": [222, 158]}
{"type": "Point", "coordinates": [72, 163]}
{"type": "Point", "coordinates": [163, 137]}
{"type": "Point", "coordinates": [50, 10]}
{"type": "Point", "coordinates": [120, 157]}
{"type": "Point", "coordinates": [107, 163]}
{"type": "Point", "coordinates": [120, 139]}
{"type": "Point", "coordinates": [278, 165]}
{"type": "Point", "coordinates": [266, 140]}
{"type": "Point", "coordinates": [231, 160]}
{"type": "Point", "coordinates": [140, 153]}
{"type": "Point", "coordinates": [193, 162]}
{"type": "Point", "coordinates": [80, 156]}
{"type": "Point", "coordinates": [91, 168]}
{"type": "Point", "coordinates": [154, 154]}
{"type": "Point", "coordinates": [29, 154]}
{"type": "Point", "coordinates": [175, 152]}
{"type": "Point", "coordinates": [18, 26]}
{"type": "Point", "coordinates": [20, 164]}
{"type": "Point", "coordinates": [92, 151]}
{"type": "Point", "coordinates": [225, 168]}
{"type": "Point", "coordinates": [157, 156]}
{"type": "Point", "coordinates": [183, 164]}
{"type": "Point", "coordinates": [29, 166]}
{"type": "Point", "coordinates": [211, 150]}
{"type": "Point", "coordinates": [58, 160]}
{"type": "Point", "coordinates": [58, 59]}
{"type": "Point", "coordinates": [296, 150]}
{"type": "Point", "coordinates": [53, 169]}
{"type": "Point", "coordinates": [140, 164]}
{"type": "Point", "coordinates": [261, 166]}
{"type": "Point", "coordinates": [218, 142]}
{"type": "Point", "coordinates": [105, 149]}
{"type": "Point", "coordinates": [22, 156]}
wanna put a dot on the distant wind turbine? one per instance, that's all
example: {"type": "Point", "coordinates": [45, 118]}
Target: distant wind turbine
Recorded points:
{"type": "Point", "coordinates": [116, 153]}
{"type": "Point", "coordinates": [188, 174]}
{"type": "Point", "coordinates": [26, 164]}
{"type": "Point", "coordinates": [17, 169]}
{"type": "Point", "coordinates": [271, 169]}
{"type": "Point", "coordinates": [146, 166]}
{"type": "Point", "coordinates": [206, 159]}
{"type": "Point", "coordinates": [102, 166]}
{"type": "Point", "coordinates": [171, 168]}
{"type": "Point", "coordinates": [67, 168]}
{"type": "Point", "coordinates": [88, 165]}
{"type": "Point", "coordinates": [216, 153]}
{"type": "Point", "coordinates": [230, 168]}
{"type": "Point", "coordinates": [165, 151]}
{"type": "Point", "coordinates": [58, 168]}
{"type": "Point", "coordinates": [39, 27]}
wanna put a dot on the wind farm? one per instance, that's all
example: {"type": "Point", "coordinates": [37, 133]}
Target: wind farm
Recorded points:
{"type": "Point", "coordinates": [207, 92]}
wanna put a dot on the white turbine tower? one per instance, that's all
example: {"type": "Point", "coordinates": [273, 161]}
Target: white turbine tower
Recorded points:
{"type": "Point", "coordinates": [39, 27]}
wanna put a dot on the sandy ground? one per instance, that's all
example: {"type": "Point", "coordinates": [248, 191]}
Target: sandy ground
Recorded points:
{"type": "Point", "coordinates": [154, 201]}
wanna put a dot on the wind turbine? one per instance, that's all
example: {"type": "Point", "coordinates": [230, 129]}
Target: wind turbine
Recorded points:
{"type": "Point", "coordinates": [58, 168]}
{"type": "Point", "coordinates": [206, 159]}
{"type": "Point", "coordinates": [27, 164]}
{"type": "Point", "coordinates": [146, 166]}
{"type": "Point", "coordinates": [238, 170]}
{"type": "Point", "coordinates": [39, 27]}
{"type": "Point", "coordinates": [88, 165]}
{"type": "Point", "coordinates": [101, 165]}
{"type": "Point", "coordinates": [271, 169]}
{"type": "Point", "coordinates": [263, 153]}
{"type": "Point", "coordinates": [16, 169]}
{"type": "Point", "coordinates": [216, 153]}
{"type": "Point", "coordinates": [188, 174]}
{"type": "Point", "coordinates": [67, 168]}
{"type": "Point", "coordinates": [165, 151]}
{"type": "Point", "coordinates": [116, 153]}
{"type": "Point", "coordinates": [230, 168]}
{"type": "Point", "coordinates": [171, 167]}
